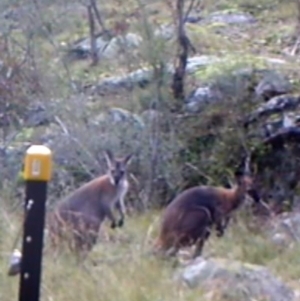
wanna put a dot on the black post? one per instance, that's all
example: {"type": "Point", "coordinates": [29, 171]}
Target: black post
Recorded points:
{"type": "Point", "coordinates": [33, 240]}
{"type": "Point", "coordinates": [37, 172]}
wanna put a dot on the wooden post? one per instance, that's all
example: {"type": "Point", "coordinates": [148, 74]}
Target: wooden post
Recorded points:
{"type": "Point", "coordinates": [37, 173]}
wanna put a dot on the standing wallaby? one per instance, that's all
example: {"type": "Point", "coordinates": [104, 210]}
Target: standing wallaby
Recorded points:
{"type": "Point", "coordinates": [81, 214]}
{"type": "Point", "coordinates": [188, 219]}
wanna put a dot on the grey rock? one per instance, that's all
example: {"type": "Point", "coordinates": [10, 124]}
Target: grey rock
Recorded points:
{"type": "Point", "coordinates": [273, 84]}
{"type": "Point", "coordinates": [234, 279]}
{"type": "Point", "coordinates": [118, 115]}
{"type": "Point", "coordinates": [286, 229]}
{"type": "Point", "coordinates": [230, 18]}
{"type": "Point", "coordinates": [143, 77]}
{"type": "Point", "coordinates": [107, 45]}
{"type": "Point", "coordinates": [15, 263]}
{"type": "Point", "coordinates": [193, 19]}
{"type": "Point", "coordinates": [165, 31]}
{"type": "Point", "coordinates": [239, 85]}
{"type": "Point", "coordinates": [38, 115]}
{"type": "Point", "coordinates": [199, 98]}
{"type": "Point", "coordinates": [234, 85]}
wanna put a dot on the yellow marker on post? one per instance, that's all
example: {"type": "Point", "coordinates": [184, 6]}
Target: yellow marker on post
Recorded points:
{"type": "Point", "coordinates": [38, 163]}
{"type": "Point", "coordinates": [37, 173]}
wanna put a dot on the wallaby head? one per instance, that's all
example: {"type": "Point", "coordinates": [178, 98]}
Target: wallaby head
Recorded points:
{"type": "Point", "coordinates": [244, 179]}
{"type": "Point", "coordinates": [246, 185]}
{"type": "Point", "coordinates": [247, 181]}
{"type": "Point", "coordinates": [117, 167]}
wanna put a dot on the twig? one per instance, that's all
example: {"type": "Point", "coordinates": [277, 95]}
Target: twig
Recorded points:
{"type": "Point", "coordinates": [94, 54]}
{"type": "Point", "coordinates": [193, 167]}
{"type": "Point", "coordinates": [182, 54]}
{"type": "Point", "coordinates": [188, 11]}
{"type": "Point", "coordinates": [98, 16]}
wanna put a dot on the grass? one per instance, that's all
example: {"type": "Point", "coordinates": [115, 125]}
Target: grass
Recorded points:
{"type": "Point", "coordinates": [125, 271]}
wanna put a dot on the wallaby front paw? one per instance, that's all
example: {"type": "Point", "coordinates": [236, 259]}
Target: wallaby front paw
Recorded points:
{"type": "Point", "coordinates": [220, 233]}
{"type": "Point", "coordinates": [120, 223]}
{"type": "Point", "coordinates": [113, 225]}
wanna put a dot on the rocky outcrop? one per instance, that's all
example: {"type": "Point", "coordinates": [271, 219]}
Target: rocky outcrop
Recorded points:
{"type": "Point", "coordinates": [234, 280]}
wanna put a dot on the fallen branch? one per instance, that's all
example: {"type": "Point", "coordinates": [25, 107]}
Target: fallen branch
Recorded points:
{"type": "Point", "coordinates": [276, 104]}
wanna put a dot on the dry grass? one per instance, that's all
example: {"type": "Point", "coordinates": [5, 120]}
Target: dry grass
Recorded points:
{"type": "Point", "coordinates": [125, 271]}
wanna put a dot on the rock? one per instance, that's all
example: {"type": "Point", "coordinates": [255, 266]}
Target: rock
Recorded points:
{"type": "Point", "coordinates": [118, 44]}
{"type": "Point", "coordinates": [38, 115]}
{"type": "Point", "coordinates": [142, 77]}
{"type": "Point", "coordinates": [81, 49]}
{"type": "Point", "coordinates": [281, 240]}
{"type": "Point", "coordinates": [237, 84]}
{"type": "Point", "coordinates": [285, 229]}
{"type": "Point", "coordinates": [234, 280]}
{"type": "Point", "coordinates": [230, 18]}
{"type": "Point", "coordinates": [119, 115]}
{"type": "Point", "coordinates": [165, 31]}
{"type": "Point", "coordinates": [199, 98]}
{"type": "Point", "coordinates": [272, 84]}
{"type": "Point", "coordinates": [108, 45]}
{"type": "Point", "coordinates": [15, 263]}
{"type": "Point", "coordinates": [193, 19]}
{"type": "Point", "coordinates": [197, 62]}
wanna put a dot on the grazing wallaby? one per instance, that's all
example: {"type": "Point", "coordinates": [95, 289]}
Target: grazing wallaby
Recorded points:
{"type": "Point", "coordinates": [188, 219]}
{"type": "Point", "coordinates": [81, 214]}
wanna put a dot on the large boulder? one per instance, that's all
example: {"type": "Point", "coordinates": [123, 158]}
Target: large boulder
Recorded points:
{"type": "Point", "coordinates": [234, 280]}
{"type": "Point", "coordinates": [273, 84]}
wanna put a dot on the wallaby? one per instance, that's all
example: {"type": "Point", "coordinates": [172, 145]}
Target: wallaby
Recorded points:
{"type": "Point", "coordinates": [81, 214]}
{"type": "Point", "coordinates": [188, 219]}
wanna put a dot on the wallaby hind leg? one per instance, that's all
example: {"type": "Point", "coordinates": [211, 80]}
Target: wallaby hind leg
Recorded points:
{"type": "Point", "coordinates": [200, 243]}
{"type": "Point", "coordinates": [220, 225]}
{"type": "Point", "coordinates": [226, 221]}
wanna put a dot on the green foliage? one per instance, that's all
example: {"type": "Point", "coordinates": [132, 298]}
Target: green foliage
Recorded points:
{"type": "Point", "coordinates": [228, 65]}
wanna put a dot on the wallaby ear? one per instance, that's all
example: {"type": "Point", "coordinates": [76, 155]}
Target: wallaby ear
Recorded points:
{"type": "Point", "coordinates": [109, 157]}
{"type": "Point", "coordinates": [238, 175]}
{"type": "Point", "coordinates": [247, 170]}
{"type": "Point", "coordinates": [127, 159]}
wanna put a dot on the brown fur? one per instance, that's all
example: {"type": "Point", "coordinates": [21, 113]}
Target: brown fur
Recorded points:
{"type": "Point", "coordinates": [78, 218]}
{"type": "Point", "coordinates": [188, 219]}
